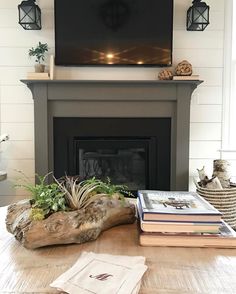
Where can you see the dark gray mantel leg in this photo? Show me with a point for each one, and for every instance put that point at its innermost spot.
(182, 136)
(41, 128)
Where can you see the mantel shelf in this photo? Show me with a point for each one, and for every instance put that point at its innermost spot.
(137, 82)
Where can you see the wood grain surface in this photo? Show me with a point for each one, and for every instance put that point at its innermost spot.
(170, 270)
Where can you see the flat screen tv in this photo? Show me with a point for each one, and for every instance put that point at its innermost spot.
(113, 32)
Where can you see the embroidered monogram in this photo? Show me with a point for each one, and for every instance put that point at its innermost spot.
(101, 277)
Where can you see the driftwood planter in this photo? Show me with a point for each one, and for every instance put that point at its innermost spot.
(77, 226)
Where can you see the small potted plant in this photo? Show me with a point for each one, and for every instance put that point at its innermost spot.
(39, 53)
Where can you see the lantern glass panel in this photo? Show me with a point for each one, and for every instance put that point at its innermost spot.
(200, 15)
(27, 14)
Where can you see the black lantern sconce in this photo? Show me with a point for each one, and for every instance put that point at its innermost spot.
(198, 16)
(29, 15)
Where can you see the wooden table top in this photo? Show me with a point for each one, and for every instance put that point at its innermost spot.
(170, 270)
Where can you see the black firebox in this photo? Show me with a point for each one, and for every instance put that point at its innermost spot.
(129, 151)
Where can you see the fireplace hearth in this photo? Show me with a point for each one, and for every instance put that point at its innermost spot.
(115, 100)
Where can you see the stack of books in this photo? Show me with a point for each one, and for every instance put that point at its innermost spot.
(186, 78)
(38, 76)
(181, 219)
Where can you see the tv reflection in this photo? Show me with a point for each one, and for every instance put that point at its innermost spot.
(114, 14)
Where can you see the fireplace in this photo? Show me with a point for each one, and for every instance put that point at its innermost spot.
(129, 151)
(156, 165)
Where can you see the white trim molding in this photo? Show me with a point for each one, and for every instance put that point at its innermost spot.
(227, 145)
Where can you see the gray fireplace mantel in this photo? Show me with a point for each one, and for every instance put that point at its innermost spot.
(114, 98)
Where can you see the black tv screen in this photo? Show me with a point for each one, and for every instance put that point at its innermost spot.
(113, 32)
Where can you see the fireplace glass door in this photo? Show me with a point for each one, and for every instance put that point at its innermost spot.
(122, 160)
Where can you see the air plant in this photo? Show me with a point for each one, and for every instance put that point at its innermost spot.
(79, 194)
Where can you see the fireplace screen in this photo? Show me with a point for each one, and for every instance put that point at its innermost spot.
(121, 160)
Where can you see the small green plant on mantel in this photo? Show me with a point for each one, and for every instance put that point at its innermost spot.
(39, 53)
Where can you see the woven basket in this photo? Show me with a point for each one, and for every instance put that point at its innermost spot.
(223, 200)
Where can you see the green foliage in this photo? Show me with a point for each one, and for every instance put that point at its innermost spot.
(106, 187)
(68, 193)
(50, 199)
(47, 197)
(39, 51)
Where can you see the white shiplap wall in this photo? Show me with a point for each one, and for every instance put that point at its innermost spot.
(203, 49)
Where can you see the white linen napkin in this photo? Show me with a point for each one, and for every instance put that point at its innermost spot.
(103, 274)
